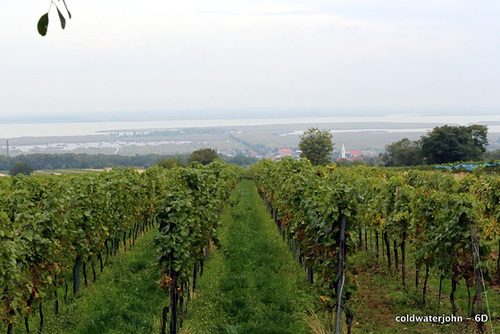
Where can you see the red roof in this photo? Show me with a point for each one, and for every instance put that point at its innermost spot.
(285, 151)
(355, 153)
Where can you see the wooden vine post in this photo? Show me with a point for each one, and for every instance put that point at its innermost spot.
(340, 273)
(478, 298)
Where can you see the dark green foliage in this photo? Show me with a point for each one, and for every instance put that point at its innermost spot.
(5, 162)
(82, 160)
(171, 163)
(493, 155)
(67, 10)
(240, 160)
(204, 156)
(43, 22)
(455, 143)
(317, 146)
(61, 18)
(99, 161)
(21, 168)
(444, 144)
(403, 153)
(369, 162)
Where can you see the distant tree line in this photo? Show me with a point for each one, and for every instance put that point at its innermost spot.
(78, 161)
(99, 161)
(368, 162)
(240, 160)
(492, 155)
(444, 144)
(205, 156)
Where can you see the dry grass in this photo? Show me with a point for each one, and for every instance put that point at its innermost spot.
(317, 324)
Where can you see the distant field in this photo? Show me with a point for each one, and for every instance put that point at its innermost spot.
(66, 171)
(62, 171)
(58, 171)
(230, 139)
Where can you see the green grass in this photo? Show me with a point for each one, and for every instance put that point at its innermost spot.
(251, 283)
(381, 298)
(125, 299)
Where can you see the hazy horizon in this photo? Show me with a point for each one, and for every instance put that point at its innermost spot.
(143, 116)
(195, 57)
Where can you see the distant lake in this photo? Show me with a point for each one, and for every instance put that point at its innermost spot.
(13, 130)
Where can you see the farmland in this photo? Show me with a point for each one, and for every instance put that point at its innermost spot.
(120, 251)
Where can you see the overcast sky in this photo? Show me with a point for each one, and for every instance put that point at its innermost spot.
(241, 55)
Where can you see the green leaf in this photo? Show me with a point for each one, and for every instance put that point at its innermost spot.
(61, 18)
(69, 14)
(184, 232)
(43, 23)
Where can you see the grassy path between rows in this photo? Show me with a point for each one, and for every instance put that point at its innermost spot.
(251, 284)
(125, 299)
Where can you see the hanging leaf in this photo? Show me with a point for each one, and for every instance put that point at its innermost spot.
(61, 18)
(43, 23)
(69, 14)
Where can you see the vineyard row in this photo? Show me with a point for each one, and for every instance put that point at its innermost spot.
(52, 226)
(328, 213)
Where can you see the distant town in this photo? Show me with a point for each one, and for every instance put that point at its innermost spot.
(355, 141)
